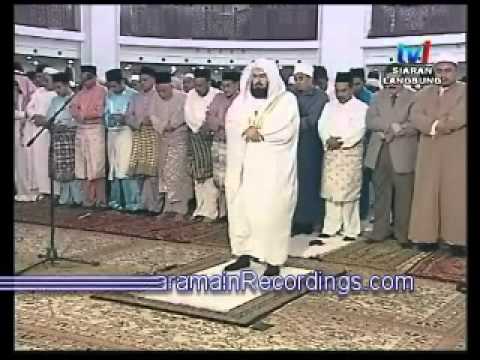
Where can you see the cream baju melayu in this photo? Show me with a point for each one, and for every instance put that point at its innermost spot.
(342, 168)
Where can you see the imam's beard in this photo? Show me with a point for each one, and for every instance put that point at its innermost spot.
(259, 93)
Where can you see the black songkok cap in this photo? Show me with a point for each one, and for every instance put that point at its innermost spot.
(61, 77)
(202, 73)
(231, 75)
(163, 77)
(147, 71)
(89, 69)
(114, 75)
(319, 72)
(358, 73)
(373, 75)
(40, 67)
(343, 77)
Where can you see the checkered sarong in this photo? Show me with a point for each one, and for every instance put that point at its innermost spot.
(201, 147)
(219, 157)
(62, 156)
(145, 152)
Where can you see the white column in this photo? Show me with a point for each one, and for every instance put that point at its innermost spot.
(319, 34)
(342, 33)
(101, 25)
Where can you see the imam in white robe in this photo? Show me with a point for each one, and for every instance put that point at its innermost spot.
(261, 178)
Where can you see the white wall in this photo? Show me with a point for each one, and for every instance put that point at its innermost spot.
(50, 43)
(343, 29)
(342, 43)
(101, 25)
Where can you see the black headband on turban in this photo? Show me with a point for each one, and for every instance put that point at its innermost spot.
(89, 69)
(231, 75)
(146, 70)
(61, 77)
(114, 75)
(358, 73)
(163, 77)
(343, 77)
(202, 73)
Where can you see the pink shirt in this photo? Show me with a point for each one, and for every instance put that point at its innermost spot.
(89, 103)
(215, 117)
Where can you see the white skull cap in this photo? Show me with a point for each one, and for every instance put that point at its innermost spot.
(304, 69)
(444, 57)
(50, 71)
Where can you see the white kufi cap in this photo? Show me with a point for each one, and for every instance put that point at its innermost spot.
(304, 69)
(444, 57)
(50, 71)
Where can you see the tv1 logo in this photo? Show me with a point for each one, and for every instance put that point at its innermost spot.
(414, 54)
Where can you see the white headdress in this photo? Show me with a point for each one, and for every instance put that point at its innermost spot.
(50, 71)
(275, 82)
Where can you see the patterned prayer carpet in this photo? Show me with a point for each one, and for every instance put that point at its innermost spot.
(389, 256)
(440, 266)
(386, 256)
(430, 318)
(113, 222)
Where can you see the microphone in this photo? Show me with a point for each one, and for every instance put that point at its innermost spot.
(51, 120)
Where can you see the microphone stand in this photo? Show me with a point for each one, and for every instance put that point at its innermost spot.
(52, 254)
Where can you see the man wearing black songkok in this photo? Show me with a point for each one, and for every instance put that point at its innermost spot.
(196, 105)
(215, 124)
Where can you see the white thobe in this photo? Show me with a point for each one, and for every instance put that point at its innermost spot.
(342, 173)
(261, 179)
(24, 181)
(39, 105)
(206, 193)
